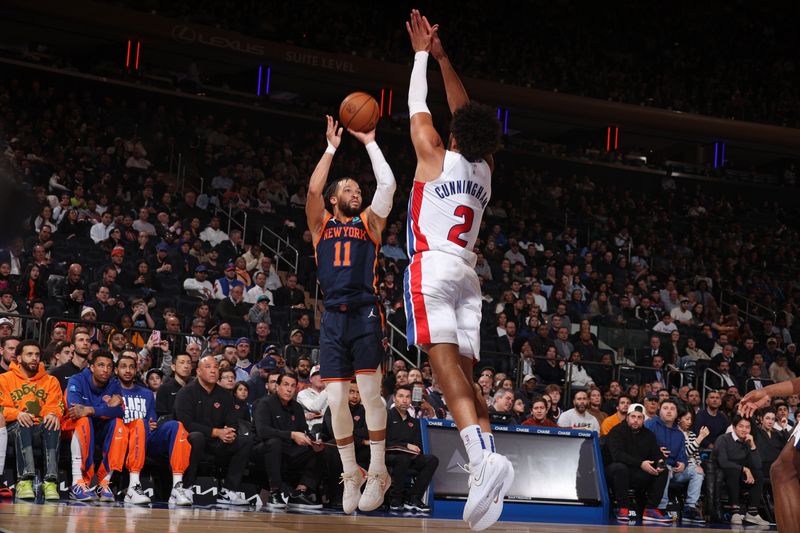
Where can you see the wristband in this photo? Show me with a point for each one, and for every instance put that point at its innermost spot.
(331, 149)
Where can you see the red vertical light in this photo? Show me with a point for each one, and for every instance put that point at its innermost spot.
(616, 138)
(128, 55)
(608, 139)
(382, 94)
(390, 102)
(138, 45)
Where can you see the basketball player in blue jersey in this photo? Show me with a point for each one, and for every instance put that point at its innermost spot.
(346, 239)
(147, 438)
(452, 187)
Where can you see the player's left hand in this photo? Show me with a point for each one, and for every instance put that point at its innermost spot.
(333, 133)
(51, 422)
(365, 138)
(752, 402)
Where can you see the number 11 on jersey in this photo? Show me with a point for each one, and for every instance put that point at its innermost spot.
(337, 260)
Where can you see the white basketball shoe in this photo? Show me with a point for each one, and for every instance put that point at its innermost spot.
(489, 482)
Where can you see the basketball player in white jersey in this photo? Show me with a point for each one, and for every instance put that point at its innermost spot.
(452, 186)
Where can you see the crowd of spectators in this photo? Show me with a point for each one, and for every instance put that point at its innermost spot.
(115, 253)
(642, 54)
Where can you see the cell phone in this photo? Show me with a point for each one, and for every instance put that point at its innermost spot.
(416, 395)
(156, 336)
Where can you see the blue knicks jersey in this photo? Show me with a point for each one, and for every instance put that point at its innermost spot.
(139, 403)
(347, 258)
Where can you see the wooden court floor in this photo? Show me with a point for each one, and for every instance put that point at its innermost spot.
(99, 518)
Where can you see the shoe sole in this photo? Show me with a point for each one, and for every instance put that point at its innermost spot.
(88, 499)
(657, 520)
(305, 507)
(129, 502)
(276, 506)
(179, 504)
(494, 503)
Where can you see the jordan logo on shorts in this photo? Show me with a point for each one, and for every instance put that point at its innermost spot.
(371, 313)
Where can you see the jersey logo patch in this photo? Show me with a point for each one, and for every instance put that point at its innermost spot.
(371, 313)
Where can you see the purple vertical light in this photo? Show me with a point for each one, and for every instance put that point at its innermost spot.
(269, 73)
(505, 123)
(498, 113)
(716, 154)
(722, 159)
(258, 90)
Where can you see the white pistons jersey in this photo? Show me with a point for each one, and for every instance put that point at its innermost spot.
(445, 214)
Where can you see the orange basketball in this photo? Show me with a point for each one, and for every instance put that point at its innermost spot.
(359, 112)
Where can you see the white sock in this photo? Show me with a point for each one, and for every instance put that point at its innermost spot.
(107, 478)
(77, 460)
(3, 445)
(176, 478)
(134, 480)
(488, 443)
(377, 456)
(473, 442)
(348, 454)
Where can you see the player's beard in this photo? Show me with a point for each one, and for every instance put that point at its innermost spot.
(347, 210)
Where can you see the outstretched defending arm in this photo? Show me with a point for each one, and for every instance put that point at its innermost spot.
(315, 203)
(427, 142)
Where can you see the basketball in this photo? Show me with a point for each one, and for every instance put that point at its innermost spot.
(359, 112)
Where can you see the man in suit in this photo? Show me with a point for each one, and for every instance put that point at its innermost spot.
(756, 382)
(506, 363)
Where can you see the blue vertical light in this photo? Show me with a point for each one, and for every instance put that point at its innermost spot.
(498, 113)
(258, 90)
(269, 73)
(505, 123)
(722, 159)
(716, 154)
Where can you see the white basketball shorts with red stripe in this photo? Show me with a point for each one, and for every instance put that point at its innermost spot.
(443, 302)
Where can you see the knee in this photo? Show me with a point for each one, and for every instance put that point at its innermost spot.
(197, 440)
(433, 461)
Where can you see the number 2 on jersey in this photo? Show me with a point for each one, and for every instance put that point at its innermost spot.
(337, 260)
(468, 214)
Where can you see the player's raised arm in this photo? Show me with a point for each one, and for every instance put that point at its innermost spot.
(378, 212)
(427, 142)
(315, 203)
(456, 94)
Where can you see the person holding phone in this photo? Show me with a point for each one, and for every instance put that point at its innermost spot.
(636, 460)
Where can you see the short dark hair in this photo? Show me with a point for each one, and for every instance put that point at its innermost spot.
(287, 375)
(9, 338)
(739, 418)
(621, 396)
(330, 190)
(23, 345)
(97, 354)
(476, 130)
(407, 388)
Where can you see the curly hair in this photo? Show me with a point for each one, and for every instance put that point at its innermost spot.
(476, 131)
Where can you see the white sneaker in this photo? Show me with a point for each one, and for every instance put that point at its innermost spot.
(488, 484)
(136, 495)
(181, 496)
(229, 497)
(737, 518)
(352, 482)
(756, 519)
(374, 491)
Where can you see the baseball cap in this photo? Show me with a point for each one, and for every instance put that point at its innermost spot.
(772, 340)
(6, 322)
(200, 268)
(242, 340)
(117, 250)
(314, 370)
(162, 247)
(268, 363)
(262, 298)
(529, 377)
(270, 349)
(153, 371)
(230, 266)
(87, 310)
(636, 407)
(651, 396)
(295, 332)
